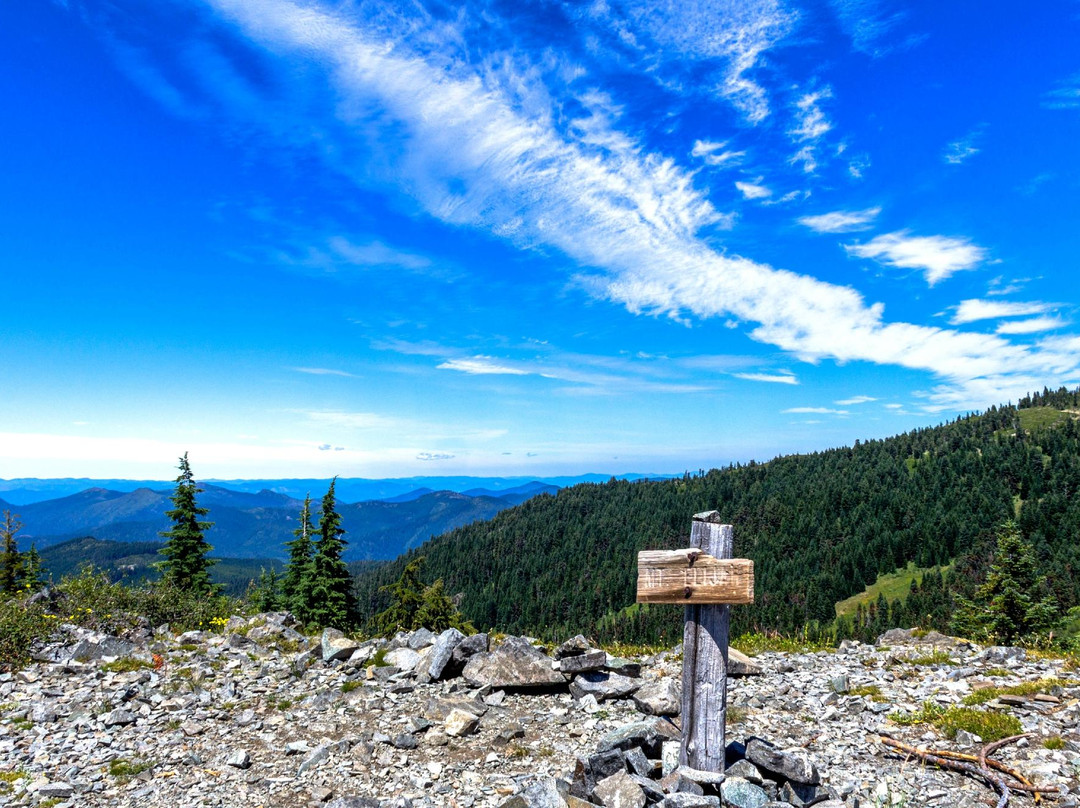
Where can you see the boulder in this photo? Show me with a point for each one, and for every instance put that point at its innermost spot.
(542, 793)
(514, 664)
(460, 723)
(335, 645)
(468, 648)
(740, 793)
(404, 659)
(790, 764)
(658, 698)
(442, 653)
(591, 661)
(603, 685)
(619, 791)
(575, 646)
(421, 638)
(739, 664)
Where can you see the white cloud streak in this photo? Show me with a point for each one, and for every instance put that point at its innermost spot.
(481, 366)
(939, 257)
(973, 310)
(841, 221)
(323, 372)
(848, 402)
(472, 154)
(772, 378)
(753, 190)
(717, 154)
(1032, 326)
(814, 411)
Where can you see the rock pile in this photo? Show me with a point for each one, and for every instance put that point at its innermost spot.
(260, 715)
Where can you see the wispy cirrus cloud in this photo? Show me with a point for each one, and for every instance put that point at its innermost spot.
(814, 411)
(753, 190)
(483, 154)
(959, 151)
(849, 402)
(975, 309)
(771, 378)
(939, 257)
(841, 221)
(482, 366)
(869, 24)
(1065, 96)
(323, 372)
(717, 154)
(1033, 325)
(811, 127)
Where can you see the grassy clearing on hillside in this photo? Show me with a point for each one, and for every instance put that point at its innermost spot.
(1041, 417)
(894, 585)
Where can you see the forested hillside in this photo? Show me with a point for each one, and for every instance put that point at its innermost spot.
(818, 526)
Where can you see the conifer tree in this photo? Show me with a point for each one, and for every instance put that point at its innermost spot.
(413, 605)
(1008, 606)
(12, 562)
(332, 600)
(186, 564)
(265, 595)
(33, 570)
(296, 587)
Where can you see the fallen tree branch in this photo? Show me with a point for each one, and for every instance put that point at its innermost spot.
(977, 766)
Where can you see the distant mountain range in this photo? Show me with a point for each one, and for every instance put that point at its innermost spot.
(25, 491)
(257, 525)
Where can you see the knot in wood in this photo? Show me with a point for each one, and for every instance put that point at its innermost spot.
(691, 558)
(687, 592)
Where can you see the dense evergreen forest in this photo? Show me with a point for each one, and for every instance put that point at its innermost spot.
(819, 527)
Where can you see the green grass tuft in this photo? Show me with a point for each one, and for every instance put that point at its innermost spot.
(987, 725)
(758, 643)
(985, 694)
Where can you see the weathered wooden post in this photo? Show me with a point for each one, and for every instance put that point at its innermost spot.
(707, 580)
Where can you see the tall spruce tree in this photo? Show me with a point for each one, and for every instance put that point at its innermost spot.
(186, 564)
(332, 600)
(1014, 601)
(12, 562)
(296, 585)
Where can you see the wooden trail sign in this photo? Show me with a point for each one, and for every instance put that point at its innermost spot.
(707, 579)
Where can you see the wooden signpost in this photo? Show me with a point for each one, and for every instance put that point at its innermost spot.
(706, 579)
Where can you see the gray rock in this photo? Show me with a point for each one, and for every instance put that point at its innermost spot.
(460, 723)
(335, 645)
(791, 764)
(603, 685)
(239, 759)
(658, 698)
(468, 648)
(542, 793)
(515, 663)
(97, 646)
(404, 659)
(741, 793)
(314, 759)
(406, 740)
(353, 802)
(442, 654)
(591, 770)
(637, 762)
(1002, 654)
(591, 661)
(421, 638)
(802, 796)
(839, 683)
(684, 800)
(58, 790)
(619, 791)
(646, 734)
(739, 664)
(118, 718)
(744, 769)
(575, 646)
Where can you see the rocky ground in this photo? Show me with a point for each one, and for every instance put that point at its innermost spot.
(258, 715)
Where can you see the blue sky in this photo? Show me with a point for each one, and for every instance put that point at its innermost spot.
(373, 239)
